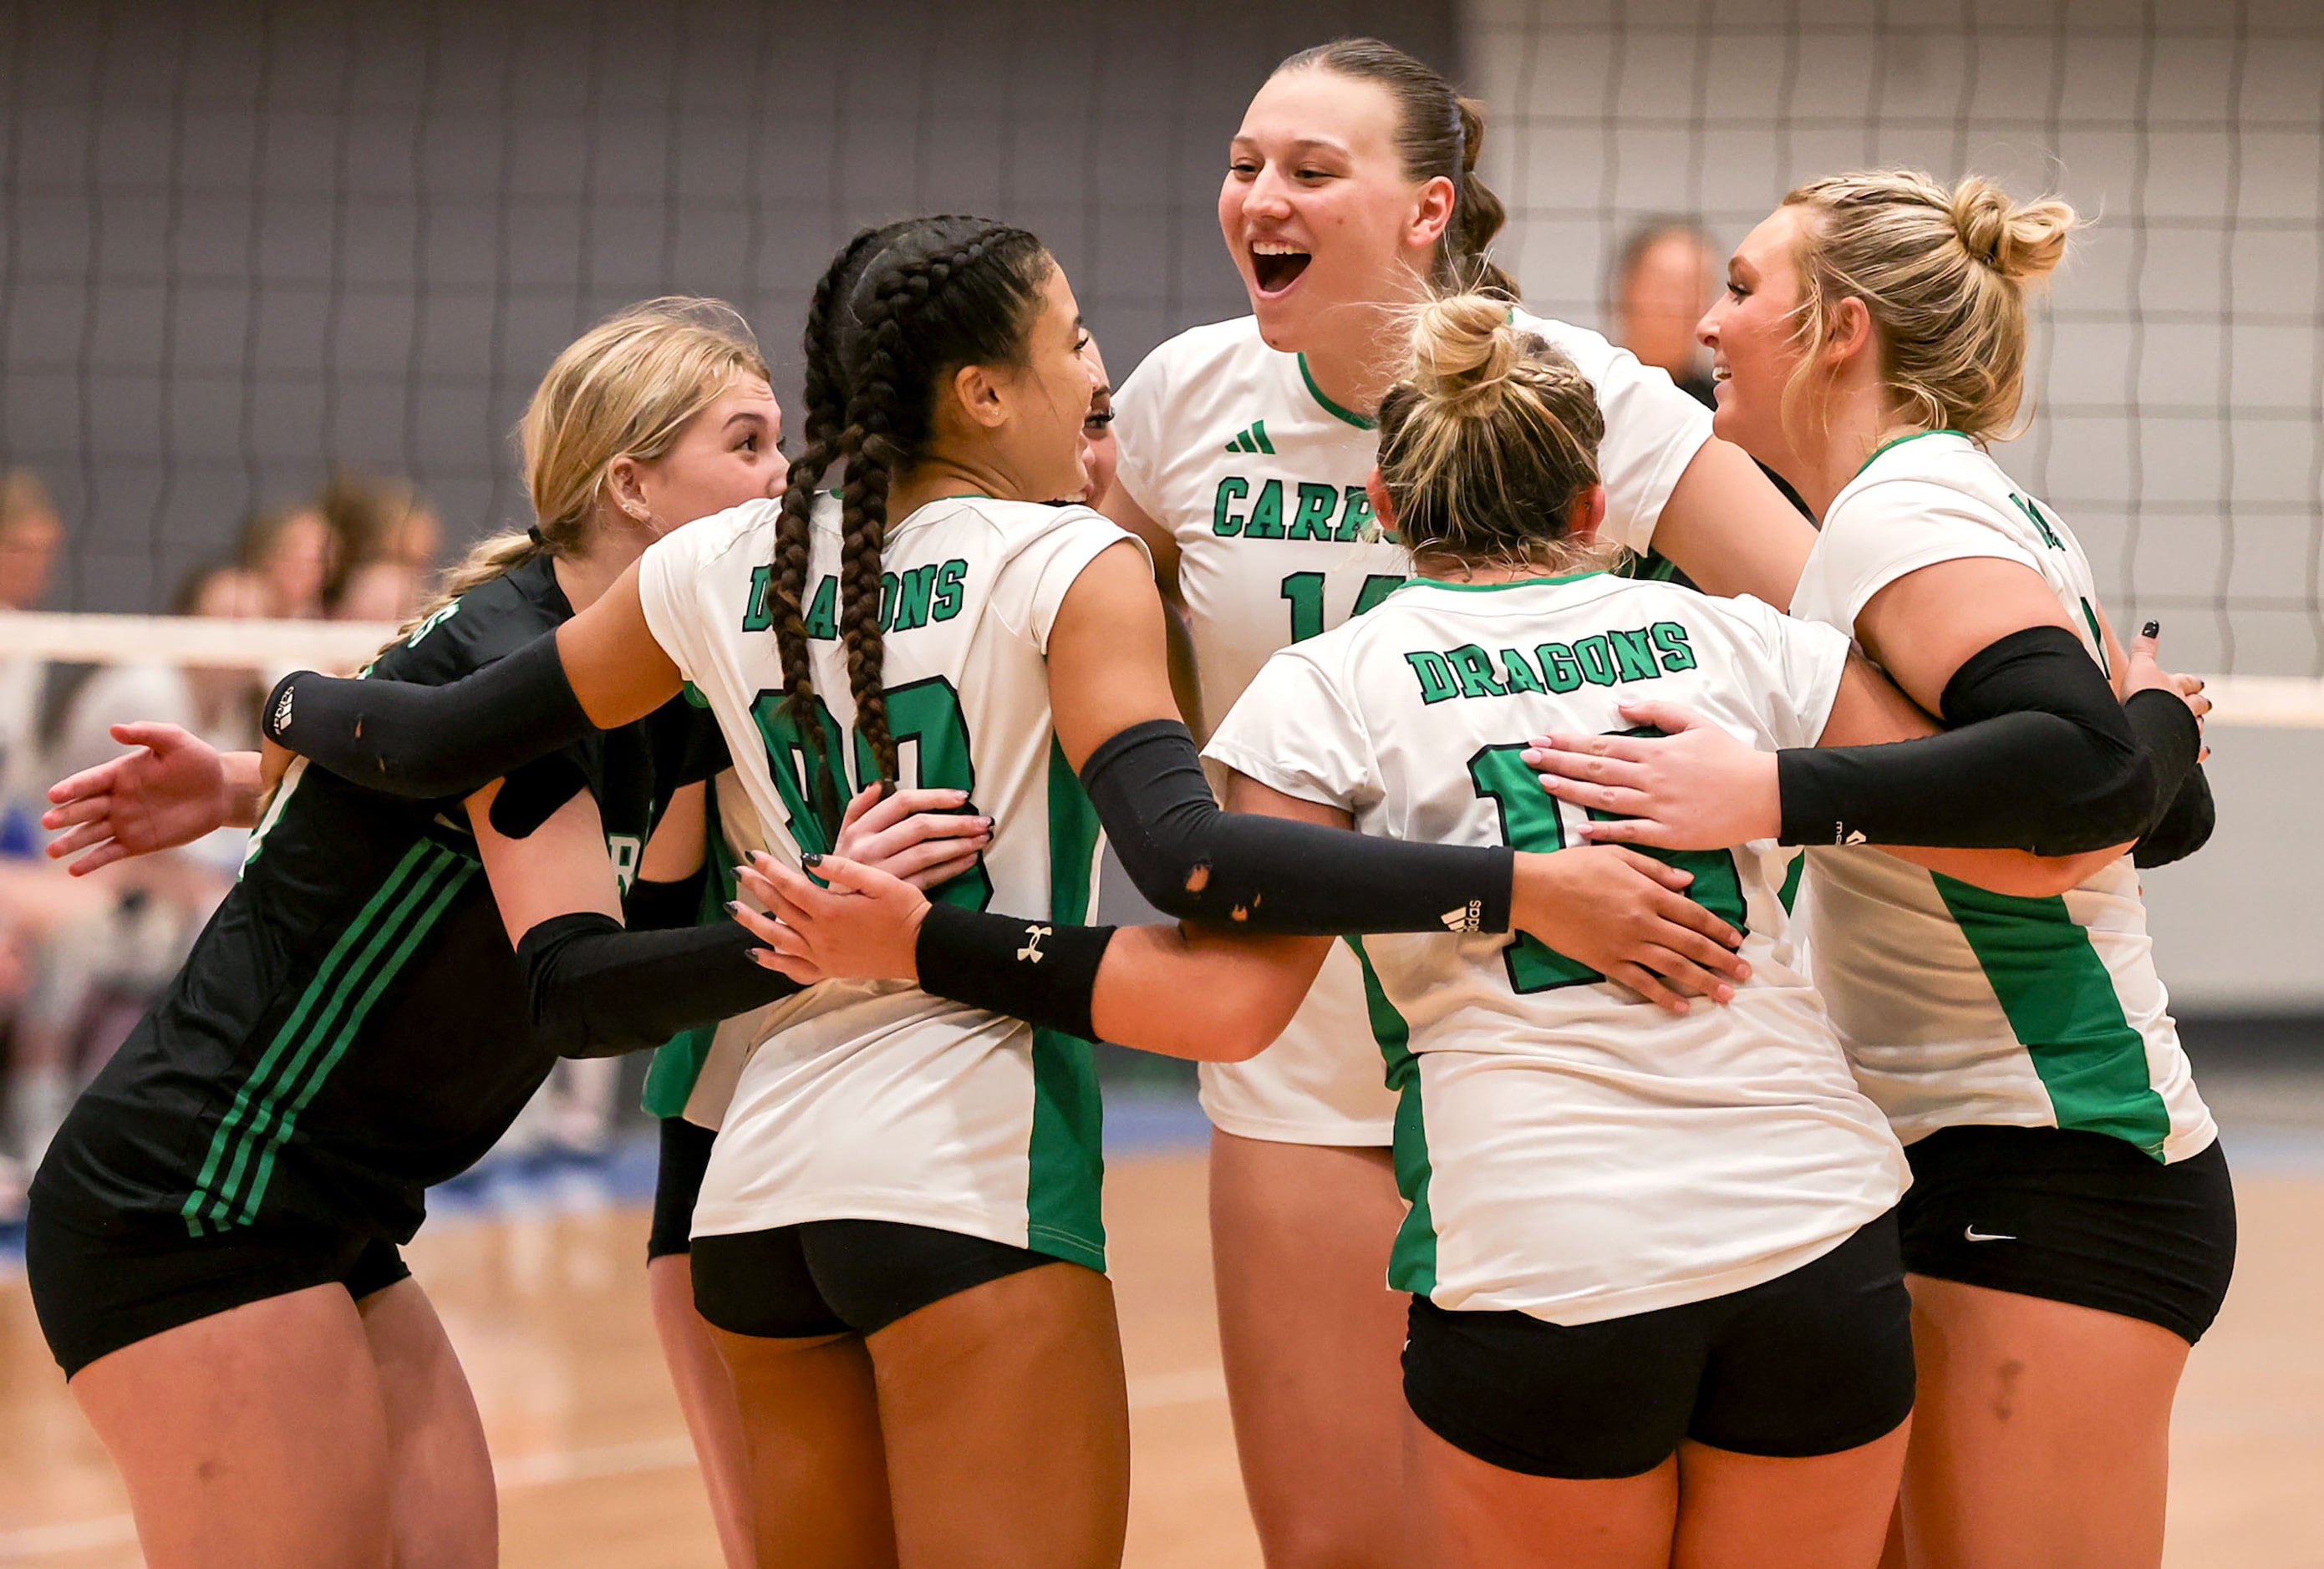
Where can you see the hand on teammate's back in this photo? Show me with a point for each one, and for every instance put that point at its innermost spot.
(926, 837)
(865, 926)
(1695, 785)
(170, 790)
(1627, 916)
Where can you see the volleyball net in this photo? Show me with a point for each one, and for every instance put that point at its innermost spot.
(2177, 361)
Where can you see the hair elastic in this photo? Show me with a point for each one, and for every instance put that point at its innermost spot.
(533, 532)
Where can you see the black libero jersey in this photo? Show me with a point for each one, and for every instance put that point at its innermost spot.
(351, 1027)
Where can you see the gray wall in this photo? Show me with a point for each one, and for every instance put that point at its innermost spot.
(243, 242)
(2179, 364)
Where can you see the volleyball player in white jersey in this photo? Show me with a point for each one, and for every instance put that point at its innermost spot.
(1659, 1314)
(1351, 188)
(2070, 1228)
(898, 1236)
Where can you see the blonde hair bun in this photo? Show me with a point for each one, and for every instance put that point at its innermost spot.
(1462, 345)
(2022, 243)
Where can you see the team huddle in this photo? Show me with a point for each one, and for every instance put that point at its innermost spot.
(1689, 1078)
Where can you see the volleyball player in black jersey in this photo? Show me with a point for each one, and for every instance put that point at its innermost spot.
(212, 1242)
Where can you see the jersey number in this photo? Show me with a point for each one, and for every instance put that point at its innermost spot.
(929, 727)
(1305, 589)
(1532, 820)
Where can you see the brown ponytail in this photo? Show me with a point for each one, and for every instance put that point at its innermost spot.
(1439, 134)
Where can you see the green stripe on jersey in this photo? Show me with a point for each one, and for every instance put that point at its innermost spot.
(1412, 1261)
(263, 1073)
(2059, 1000)
(387, 915)
(457, 874)
(1066, 1158)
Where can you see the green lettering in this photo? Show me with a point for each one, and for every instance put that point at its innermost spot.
(757, 616)
(1635, 654)
(913, 591)
(1476, 672)
(1670, 639)
(1516, 671)
(887, 599)
(1596, 659)
(1226, 525)
(822, 614)
(1265, 513)
(1558, 666)
(1355, 515)
(1436, 676)
(1313, 520)
(951, 580)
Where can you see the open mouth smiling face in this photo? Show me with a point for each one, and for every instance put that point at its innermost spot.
(1276, 265)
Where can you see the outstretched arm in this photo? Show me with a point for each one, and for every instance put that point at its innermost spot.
(170, 789)
(1699, 787)
(600, 670)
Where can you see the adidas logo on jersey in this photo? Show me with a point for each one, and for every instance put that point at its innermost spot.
(282, 713)
(1031, 952)
(1252, 440)
(1469, 917)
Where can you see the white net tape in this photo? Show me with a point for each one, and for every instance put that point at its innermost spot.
(253, 645)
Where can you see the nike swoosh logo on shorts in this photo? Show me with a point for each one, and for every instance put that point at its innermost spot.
(1971, 1233)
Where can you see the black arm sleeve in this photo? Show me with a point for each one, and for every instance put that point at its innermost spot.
(665, 906)
(2042, 758)
(427, 742)
(596, 990)
(2184, 827)
(1042, 973)
(1194, 861)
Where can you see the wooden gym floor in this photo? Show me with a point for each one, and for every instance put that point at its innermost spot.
(549, 1316)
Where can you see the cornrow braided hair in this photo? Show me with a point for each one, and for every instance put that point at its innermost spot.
(824, 418)
(945, 293)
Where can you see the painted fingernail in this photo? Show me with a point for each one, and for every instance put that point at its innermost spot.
(811, 859)
(734, 906)
(2152, 630)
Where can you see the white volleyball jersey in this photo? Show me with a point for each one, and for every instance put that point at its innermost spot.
(1959, 1005)
(873, 1100)
(1569, 1149)
(1259, 478)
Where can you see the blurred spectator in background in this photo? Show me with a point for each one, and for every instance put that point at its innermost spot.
(290, 551)
(92, 951)
(387, 538)
(30, 536)
(1669, 270)
(379, 590)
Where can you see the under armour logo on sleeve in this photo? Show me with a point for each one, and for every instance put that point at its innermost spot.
(1031, 952)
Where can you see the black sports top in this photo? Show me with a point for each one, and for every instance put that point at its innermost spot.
(351, 1026)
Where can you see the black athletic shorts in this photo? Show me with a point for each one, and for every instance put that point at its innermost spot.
(98, 1287)
(678, 1183)
(1811, 1362)
(2074, 1216)
(837, 1277)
